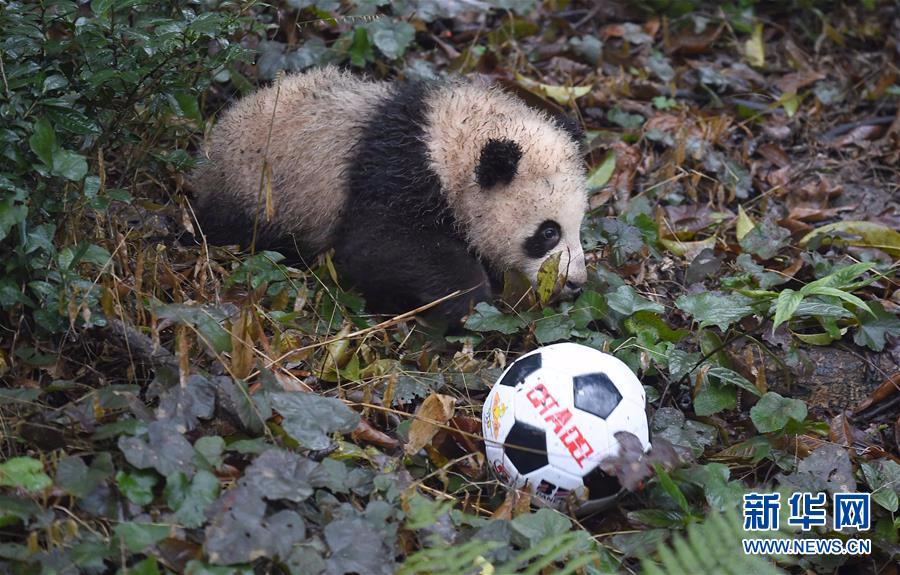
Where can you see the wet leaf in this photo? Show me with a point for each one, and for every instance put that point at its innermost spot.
(772, 412)
(553, 327)
(435, 411)
(670, 487)
(206, 318)
(787, 303)
(731, 377)
(765, 279)
(280, 474)
(357, 548)
(690, 437)
(827, 468)
(184, 406)
(715, 308)
(488, 318)
(240, 531)
(713, 397)
(532, 528)
(164, 449)
(74, 475)
(43, 141)
(69, 165)
(875, 327)
(883, 478)
(310, 418)
(627, 301)
(720, 493)
(766, 239)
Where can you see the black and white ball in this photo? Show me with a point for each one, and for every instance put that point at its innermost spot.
(552, 417)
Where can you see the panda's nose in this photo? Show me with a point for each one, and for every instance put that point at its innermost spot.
(573, 287)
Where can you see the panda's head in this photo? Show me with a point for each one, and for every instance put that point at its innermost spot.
(514, 178)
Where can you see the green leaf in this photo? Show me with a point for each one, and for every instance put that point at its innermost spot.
(715, 308)
(11, 214)
(488, 318)
(206, 318)
(875, 326)
(147, 566)
(600, 175)
(24, 472)
(309, 418)
(713, 478)
(590, 306)
(548, 277)
(725, 375)
(137, 485)
(69, 165)
(652, 326)
(843, 278)
(43, 141)
(618, 116)
(834, 292)
(657, 517)
(73, 475)
(553, 327)
(883, 478)
(691, 436)
(859, 233)
(671, 488)
(714, 397)
(627, 301)
(190, 498)
(772, 412)
(537, 526)
(765, 239)
(787, 303)
(139, 536)
(391, 36)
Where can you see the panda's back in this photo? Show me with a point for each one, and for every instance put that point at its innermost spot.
(306, 126)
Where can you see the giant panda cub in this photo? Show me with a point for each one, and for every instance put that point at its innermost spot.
(421, 188)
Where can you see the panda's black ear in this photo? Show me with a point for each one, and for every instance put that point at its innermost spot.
(498, 163)
(572, 127)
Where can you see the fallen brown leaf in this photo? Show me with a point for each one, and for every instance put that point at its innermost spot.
(515, 503)
(434, 412)
(796, 80)
(365, 431)
(889, 387)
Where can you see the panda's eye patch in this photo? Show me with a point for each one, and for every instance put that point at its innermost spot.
(543, 240)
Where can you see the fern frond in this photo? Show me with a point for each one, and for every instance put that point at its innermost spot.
(712, 546)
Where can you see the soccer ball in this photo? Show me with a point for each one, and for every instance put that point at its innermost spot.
(552, 417)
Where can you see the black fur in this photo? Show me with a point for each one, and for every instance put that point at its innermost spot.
(498, 163)
(571, 127)
(538, 244)
(397, 239)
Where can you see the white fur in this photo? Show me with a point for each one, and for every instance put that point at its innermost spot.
(549, 185)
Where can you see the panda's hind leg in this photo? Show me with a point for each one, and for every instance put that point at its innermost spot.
(405, 269)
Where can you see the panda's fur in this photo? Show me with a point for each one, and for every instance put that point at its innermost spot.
(421, 188)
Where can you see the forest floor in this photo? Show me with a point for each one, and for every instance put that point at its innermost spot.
(169, 406)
